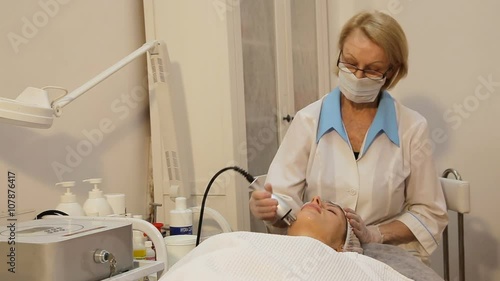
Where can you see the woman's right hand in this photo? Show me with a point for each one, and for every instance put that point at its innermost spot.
(262, 205)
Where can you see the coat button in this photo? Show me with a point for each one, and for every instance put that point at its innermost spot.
(352, 192)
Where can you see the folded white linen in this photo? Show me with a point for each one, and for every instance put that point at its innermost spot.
(257, 256)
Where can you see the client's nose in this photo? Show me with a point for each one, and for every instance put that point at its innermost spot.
(317, 200)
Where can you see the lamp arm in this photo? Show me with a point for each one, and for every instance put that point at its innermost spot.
(58, 104)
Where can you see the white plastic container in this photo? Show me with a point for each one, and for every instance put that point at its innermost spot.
(178, 246)
(181, 218)
(68, 202)
(117, 203)
(150, 253)
(138, 245)
(96, 205)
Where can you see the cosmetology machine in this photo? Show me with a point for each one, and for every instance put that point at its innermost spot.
(65, 249)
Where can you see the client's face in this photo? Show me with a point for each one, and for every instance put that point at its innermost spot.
(322, 220)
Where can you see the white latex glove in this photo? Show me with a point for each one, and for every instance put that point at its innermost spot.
(365, 234)
(262, 205)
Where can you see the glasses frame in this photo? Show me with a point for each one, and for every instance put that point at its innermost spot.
(384, 74)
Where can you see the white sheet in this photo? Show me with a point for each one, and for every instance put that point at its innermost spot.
(257, 256)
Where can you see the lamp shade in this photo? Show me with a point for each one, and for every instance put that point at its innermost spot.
(30, 109)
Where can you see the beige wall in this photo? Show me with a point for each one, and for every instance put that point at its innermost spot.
(65, 43)
(453, 50)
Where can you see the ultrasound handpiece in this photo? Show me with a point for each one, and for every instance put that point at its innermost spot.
(284, 211)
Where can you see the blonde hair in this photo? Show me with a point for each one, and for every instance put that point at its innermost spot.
(386, 32)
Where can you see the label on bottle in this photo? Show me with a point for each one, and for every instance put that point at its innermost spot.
(183, 230)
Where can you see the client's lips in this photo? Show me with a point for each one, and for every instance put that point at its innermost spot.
(314, 206)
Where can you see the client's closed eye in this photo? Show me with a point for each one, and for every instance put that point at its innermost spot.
(334, 208)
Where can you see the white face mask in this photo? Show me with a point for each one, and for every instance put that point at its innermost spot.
(359, 90)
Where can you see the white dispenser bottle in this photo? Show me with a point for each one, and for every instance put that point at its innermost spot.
(68, 202)
(96, 205)
(181, 218)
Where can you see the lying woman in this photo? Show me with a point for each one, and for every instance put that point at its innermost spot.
(313, 250)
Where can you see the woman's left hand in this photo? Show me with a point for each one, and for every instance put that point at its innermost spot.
(365, 234)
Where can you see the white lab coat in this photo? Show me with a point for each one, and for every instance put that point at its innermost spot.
(394, 177)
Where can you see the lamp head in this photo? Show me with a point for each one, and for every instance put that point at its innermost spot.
(30, 109)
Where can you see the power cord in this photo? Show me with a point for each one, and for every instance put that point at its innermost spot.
(50, 213)
(244, 173)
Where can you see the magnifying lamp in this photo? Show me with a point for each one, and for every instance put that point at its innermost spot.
(33, 108)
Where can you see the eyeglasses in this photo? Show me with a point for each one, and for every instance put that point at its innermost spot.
(369, 73)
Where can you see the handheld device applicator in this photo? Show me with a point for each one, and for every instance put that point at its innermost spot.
(284, 211)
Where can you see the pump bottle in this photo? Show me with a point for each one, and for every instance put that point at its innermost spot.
(96, 204)
(68, 202)
(181, 218)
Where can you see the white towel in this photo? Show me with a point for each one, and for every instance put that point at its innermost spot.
(256, 256)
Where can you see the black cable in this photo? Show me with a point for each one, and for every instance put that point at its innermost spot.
(244, 173)
(50, 213)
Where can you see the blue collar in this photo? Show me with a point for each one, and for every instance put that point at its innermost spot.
(385, 120)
